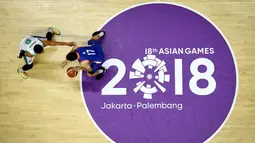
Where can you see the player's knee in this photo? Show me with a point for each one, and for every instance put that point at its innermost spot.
(49, 36)
(27, 67)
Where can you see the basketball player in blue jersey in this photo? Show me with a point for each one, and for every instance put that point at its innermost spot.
(90, 57)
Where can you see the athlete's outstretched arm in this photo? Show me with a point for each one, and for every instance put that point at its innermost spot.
(77, 47)
(74, 48)
(63, 64)
(55, 43)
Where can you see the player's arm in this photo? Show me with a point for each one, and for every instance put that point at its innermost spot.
(77, 47)
(74, 48)
(77, 68)
(63, 64)
(21, 54)
(55, 43)
(83, 66)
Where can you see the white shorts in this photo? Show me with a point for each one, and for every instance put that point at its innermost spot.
(28, 60)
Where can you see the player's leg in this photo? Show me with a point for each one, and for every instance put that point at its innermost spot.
(52, 31)
(86, 65)
(98, 34)
(28, 66)
(98, 74)
(96, 37)
(96, 66)
(94, 69)
(97, 70)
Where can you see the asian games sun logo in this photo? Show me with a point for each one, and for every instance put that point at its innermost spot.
(156, 66)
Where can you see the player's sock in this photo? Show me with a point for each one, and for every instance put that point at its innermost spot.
(22, 73)
(21, 70)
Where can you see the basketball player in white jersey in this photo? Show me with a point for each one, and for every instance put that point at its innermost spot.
(32, 45)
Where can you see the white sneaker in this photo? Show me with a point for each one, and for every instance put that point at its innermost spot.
(54, 30)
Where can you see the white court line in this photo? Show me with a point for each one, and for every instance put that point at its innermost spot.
(171, 3)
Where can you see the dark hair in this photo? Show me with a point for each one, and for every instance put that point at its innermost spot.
(71, 56)
(38, 49)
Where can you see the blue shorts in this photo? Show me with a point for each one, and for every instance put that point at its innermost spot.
(95, 66)
(94, 42)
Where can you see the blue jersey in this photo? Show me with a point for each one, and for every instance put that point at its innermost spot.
(93, 53)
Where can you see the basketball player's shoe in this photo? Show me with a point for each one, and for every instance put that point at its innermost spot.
(22, 74)
(102, 71)
(54, 30)
(100, 33)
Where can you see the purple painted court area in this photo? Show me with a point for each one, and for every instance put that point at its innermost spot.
(162, 26)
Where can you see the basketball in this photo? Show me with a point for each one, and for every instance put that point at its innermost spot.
(71, 72)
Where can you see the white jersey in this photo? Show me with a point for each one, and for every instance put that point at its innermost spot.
(28, 44)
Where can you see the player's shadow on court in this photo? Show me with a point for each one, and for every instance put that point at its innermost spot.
(74, 83)
(48, 71)
(45, 68)
(48, 52)
(92, 85)
(88, 86)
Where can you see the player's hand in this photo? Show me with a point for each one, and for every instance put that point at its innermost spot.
(71, 44)
(63, 64)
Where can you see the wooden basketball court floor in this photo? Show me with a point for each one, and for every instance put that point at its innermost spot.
(48, 108)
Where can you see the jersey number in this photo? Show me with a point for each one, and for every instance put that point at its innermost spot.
(90, 52)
